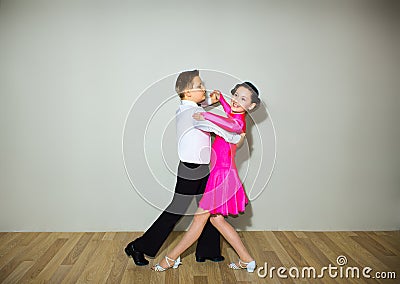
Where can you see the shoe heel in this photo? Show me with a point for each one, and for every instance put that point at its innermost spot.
(177, 263)
(251, 266)
(127, 252)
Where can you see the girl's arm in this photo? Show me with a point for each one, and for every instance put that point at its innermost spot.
(224, 104)
(226, 123)
(208, 126)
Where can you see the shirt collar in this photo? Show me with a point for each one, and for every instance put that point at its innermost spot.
(187, 102)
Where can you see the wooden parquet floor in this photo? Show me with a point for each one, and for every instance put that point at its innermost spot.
(99, 258)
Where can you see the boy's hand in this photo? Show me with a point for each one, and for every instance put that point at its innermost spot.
(198, 116)
(215, 96)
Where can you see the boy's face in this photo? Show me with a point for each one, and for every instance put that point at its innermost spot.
(197, 93)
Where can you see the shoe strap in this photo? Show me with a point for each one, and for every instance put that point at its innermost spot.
(242, 262)
(159, 268)
(168, 258)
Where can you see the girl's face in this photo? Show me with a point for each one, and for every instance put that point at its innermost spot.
(241, 100)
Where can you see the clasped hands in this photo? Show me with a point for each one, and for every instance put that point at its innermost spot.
(214, 99)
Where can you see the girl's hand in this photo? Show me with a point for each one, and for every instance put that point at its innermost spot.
(198, 116)
(241, 141)
(215, 96)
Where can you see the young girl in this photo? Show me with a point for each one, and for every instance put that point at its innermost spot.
(224, 194)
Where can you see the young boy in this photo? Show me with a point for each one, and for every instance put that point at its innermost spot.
(194, 153)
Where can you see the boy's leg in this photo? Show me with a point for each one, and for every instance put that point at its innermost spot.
(189, 237)
(208, 244)
(154, 237)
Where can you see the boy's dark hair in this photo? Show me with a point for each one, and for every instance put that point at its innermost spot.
(249, 86)
(184, 81)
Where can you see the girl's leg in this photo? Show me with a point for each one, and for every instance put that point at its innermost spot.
(194, 232)
(230, 234)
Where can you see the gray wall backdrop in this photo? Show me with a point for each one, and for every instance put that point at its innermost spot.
(328, 71)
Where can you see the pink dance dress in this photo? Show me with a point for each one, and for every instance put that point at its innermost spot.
(224, 193)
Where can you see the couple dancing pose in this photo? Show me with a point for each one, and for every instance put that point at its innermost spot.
(220, 188)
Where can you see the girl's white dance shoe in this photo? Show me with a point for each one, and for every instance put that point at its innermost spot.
(176, 262)
(250, 266)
